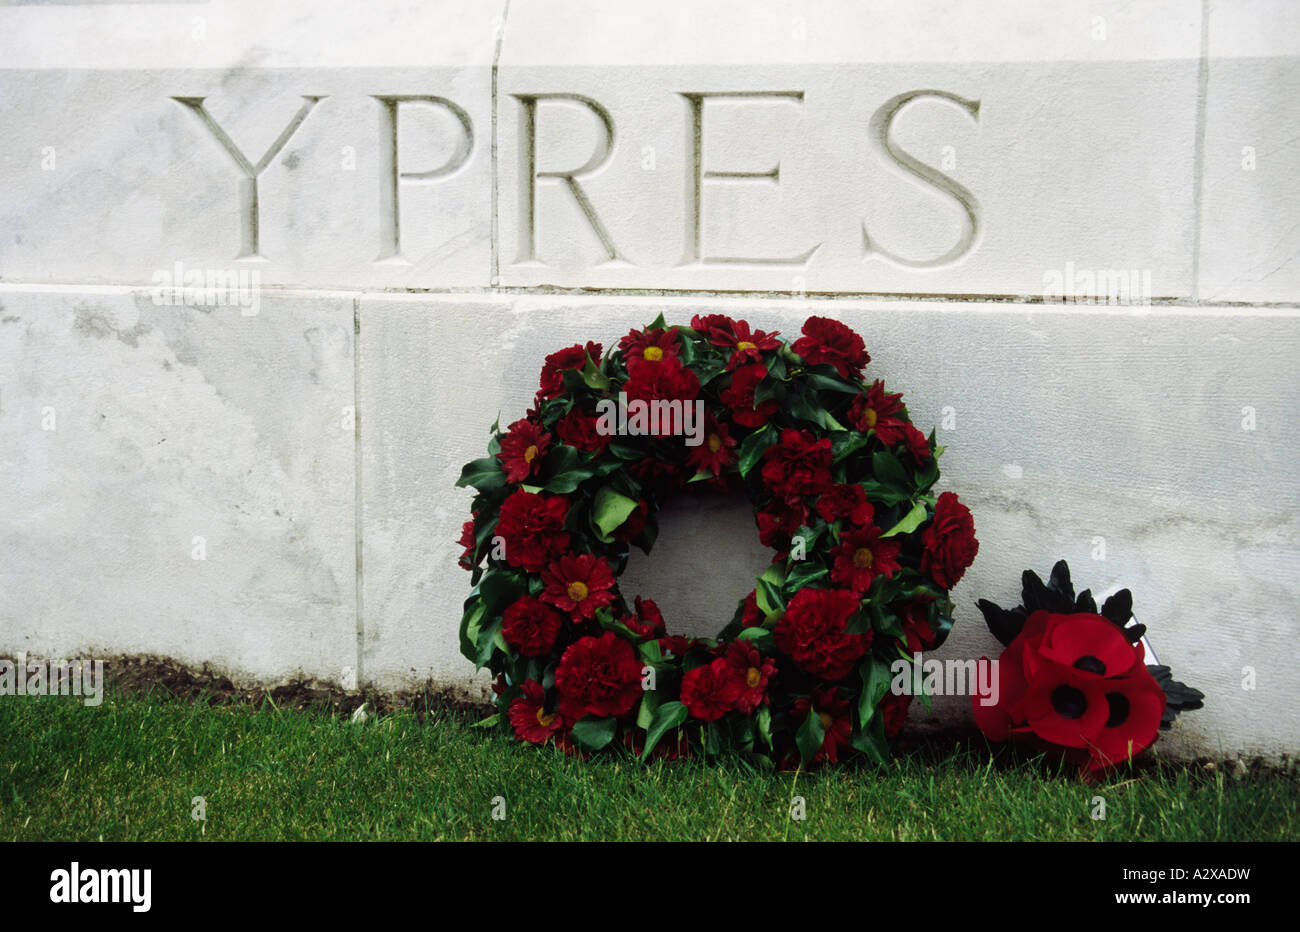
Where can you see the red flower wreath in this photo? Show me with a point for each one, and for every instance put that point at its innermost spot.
(841, 483)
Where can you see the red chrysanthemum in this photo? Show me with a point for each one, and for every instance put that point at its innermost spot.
(528, 715)
(739, 397)
(650, 345)
(878, 411)
(522, 449)
(833, 710)
(530, 626)
(862, 556)
(598, 676)
(828, 341)
(813, 632)
(949, 542)
(532, 528)
(716, 453)
(751, 672)
(578, 584)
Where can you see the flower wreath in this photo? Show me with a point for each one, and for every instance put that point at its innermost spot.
(840, 480)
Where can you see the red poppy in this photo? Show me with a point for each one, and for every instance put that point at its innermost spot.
(716, 453)
(751, 672)
(708, 692)
(531, 626)
(598, 676)
(812, 632)
(578, 584)
(739, 397)
(862, 556)
(828, 341)
(833, 710)
(846, 501)
(949, 542)
(528, 715)
(532, 528)
(522, 450)
(878, 411)
(798, 464)
(557, 363)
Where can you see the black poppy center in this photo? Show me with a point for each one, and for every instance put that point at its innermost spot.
(1069, 702)
(1119, 709)
(1090, 664)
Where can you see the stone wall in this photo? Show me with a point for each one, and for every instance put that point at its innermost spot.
(1067, 231)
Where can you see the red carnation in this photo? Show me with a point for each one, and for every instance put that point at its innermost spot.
(812, 632)
(798, 464)
(829, 341)
(598, 676)
(528, 715)
(579, 430)
(914, 614)
(578, 584)
(572, 357)
(739, 397)
(648, 621)
(950, 544)
(833, 710)
(532, 526)
(846, 501)
(531, 626)
(635, 523)
(708, 692)
(751, 672)
(750, 614)
(522, 449)
(893, 712)
(466, 559)
(665, 381)
(917, 443)
(777, 523)
(861, 557)
(878, 411)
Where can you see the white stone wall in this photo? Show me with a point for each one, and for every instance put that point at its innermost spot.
(435, 195)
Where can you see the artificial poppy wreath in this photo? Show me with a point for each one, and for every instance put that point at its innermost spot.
(1073, 680)
(841, 483)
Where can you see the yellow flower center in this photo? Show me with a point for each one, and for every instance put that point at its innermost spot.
(753, 677)
(862, 558)
(531, 453)
(826, 720)
(870, 417)
(745, 345)
(577, 591)
(652, 354)
(544, 717)
(715, 443)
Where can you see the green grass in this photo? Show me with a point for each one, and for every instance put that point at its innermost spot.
(128, 769)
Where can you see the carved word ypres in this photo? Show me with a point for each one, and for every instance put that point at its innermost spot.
(880, 135)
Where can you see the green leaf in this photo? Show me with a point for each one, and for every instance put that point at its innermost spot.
(875, 683)
(831, 383)
(911, 521)
(763, 719)
(753, 447)
(645, 713)
(594, 733)
(870, 740)
(666, 717)
(610, 510)
(845, 443)
(810, 735)
(484, 474)
(807, 408)
(887, 469)
(758, 636)
(593, 377)
(488, 722)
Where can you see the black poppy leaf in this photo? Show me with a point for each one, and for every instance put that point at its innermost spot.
(1033, 594)
(1134, 633)
(1086, 603)
(1003, 624)
(1059, 581)
(1119, 607)
(1179, 697)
